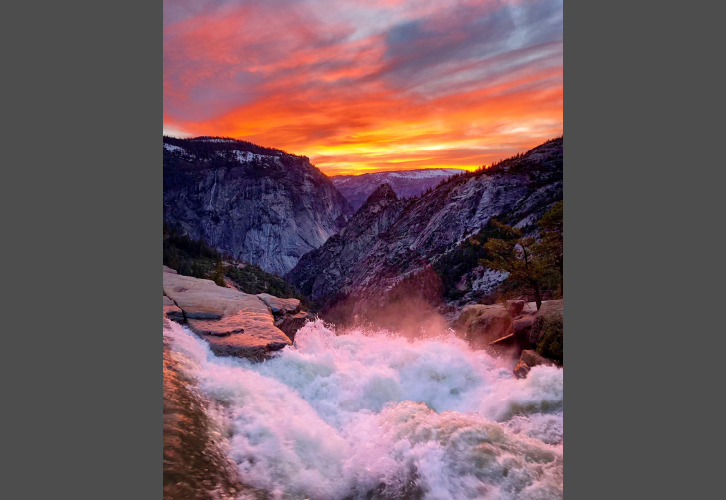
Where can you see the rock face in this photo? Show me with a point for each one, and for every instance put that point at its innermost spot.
(261, 205)
(288, 316)
(407, 237)
(171, 310)
(234, 323)
(327, 271)
(517, 341)
(483, 324)
(528, 360)
(550, 311)
(406, 183)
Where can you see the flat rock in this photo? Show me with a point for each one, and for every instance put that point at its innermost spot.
(280, 306)
(551, 308)
(169, 270)
(234, 323)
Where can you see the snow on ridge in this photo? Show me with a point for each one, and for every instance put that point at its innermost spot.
(245, 156)
(416, 174)
(171, 147)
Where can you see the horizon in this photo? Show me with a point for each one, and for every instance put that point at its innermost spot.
(366, 87)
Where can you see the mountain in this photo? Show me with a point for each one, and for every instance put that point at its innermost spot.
(406, 183)
(261, 205)
(389, 244)
(323, 272)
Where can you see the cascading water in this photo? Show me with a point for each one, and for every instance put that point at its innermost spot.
(372, 415)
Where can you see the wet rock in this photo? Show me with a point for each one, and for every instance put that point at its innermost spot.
(527, 361)
(171, 310)
(291, 323)
(234, 323)
(521, 370)
(533, 359)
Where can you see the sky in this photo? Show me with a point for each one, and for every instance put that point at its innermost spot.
(367, 85)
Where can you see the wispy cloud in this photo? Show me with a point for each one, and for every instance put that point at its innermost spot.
(367, 85)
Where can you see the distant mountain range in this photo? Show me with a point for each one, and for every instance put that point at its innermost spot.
(405, 183)
(278, 211)
(258, 204)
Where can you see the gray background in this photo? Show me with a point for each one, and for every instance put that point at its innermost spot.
(82, 185)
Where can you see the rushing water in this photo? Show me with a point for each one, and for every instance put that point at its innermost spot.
(371, 415)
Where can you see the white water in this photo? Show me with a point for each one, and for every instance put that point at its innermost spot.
(340, 416)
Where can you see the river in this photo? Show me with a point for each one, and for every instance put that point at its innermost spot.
(362, 415)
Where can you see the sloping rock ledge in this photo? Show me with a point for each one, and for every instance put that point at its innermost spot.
(234, 323)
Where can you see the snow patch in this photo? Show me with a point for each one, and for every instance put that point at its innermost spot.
(171, 148)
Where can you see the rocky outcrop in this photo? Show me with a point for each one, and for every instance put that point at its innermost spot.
(260, 205)
(527, 361)
(234, 323)
(518, 340)
(291, 323)
(482, 324)
(288, 316)
(406, 183)
(418, 233)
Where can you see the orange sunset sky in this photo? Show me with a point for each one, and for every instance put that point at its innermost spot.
(366, 86)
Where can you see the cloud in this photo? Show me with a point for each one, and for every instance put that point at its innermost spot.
(362, 85)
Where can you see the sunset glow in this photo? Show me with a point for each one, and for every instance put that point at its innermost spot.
(367, 85)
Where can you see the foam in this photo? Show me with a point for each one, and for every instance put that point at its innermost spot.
(341, 416)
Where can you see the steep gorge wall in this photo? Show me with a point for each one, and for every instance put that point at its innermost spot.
(268, 209)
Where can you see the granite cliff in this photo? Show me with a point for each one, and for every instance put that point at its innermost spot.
(257, 204)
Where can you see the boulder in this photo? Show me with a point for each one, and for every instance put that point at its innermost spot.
(533, 359)
(483, 324)
(515, 307)
(527, 361)
(521, 370)
(234, 323)
(550, 311)
(522, 327)
(518, 340)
